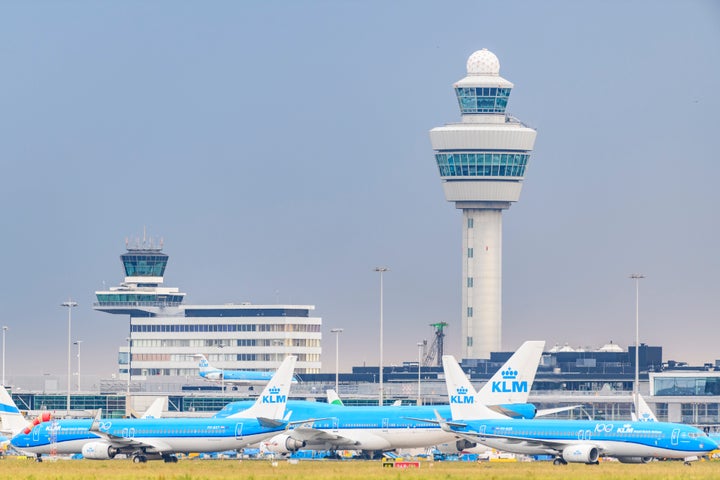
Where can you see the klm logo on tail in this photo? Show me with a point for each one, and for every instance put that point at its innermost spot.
(204, 363)
(274, 396)
(508, 384)
(462, 397)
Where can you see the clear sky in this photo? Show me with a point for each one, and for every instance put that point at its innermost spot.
(281, 151)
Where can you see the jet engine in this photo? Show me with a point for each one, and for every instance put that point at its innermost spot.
(580, 453)
(214, 375)
(634, 459)
(463, 444)
(284, 443)
(98, 451)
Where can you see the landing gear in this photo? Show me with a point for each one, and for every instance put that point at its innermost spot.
(170, 459)
(559, 461)
(687, 463)
(38, 458)
(139, 459)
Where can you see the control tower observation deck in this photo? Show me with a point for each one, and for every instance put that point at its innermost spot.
(141, 292)
(482, 163)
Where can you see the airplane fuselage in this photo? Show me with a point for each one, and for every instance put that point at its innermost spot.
(159, 435)
(612, 438)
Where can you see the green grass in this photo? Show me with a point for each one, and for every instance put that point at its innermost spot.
(11, 468)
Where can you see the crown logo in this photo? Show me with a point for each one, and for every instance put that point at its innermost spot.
(274, 390)
(509, 374)
(462, 390)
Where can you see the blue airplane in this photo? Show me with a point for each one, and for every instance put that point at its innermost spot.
(240, 377)
(578, 441)
(162, 438)
(373, 429)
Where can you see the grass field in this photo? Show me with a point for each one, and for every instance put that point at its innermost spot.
(360, 470)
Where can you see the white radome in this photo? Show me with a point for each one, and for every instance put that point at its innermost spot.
(483, 62)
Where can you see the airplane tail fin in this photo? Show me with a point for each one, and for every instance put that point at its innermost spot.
(155, 409)
(12, 420)
(512, 383)
(273, 399)
(333, 398)
(644, 414)
(464, 402)
(203, 363)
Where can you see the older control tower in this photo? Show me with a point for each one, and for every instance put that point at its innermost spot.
(482, 163)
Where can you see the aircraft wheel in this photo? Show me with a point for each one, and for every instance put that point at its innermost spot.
(139, 459)
(559, 461)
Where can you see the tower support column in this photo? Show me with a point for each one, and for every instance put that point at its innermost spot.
(482, 286)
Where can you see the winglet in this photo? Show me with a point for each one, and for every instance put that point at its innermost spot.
(271, 402)
(95, 426)
(441, 421)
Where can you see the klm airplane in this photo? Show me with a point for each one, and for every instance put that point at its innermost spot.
(244, 377)
(580, 441)
(375, 429)
(161, 438)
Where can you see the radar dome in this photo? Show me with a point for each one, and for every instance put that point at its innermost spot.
(483, 62)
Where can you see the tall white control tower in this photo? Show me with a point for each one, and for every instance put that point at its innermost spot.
(482, 163)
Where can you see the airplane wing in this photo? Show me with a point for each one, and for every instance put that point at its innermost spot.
(121, 442)
(550, 411)
(314, 436)
(551, 446)
(116, 441)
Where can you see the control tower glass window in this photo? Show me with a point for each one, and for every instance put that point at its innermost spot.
(495, 164)
(482, 99)
(144, 264)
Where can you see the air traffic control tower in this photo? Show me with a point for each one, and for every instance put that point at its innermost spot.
(482, 163)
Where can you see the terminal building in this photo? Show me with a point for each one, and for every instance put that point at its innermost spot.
(164, 333)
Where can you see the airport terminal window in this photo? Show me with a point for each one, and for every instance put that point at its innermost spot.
(470, 282)
(470, 223)
(687, 386)
(469, 311)
(482, 164)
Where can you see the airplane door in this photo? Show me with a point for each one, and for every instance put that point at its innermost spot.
(36, 434)
(335, 424)
(674, 437)
(238, 431)
(481, 431)
(385, 422)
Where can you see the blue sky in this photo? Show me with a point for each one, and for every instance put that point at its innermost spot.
(281, 151)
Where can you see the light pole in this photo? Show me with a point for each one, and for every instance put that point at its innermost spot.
(636, 388)
(78, 342)
(381, 270)
(337, 332)
(420, 352)
(5, 329)
(69, 304)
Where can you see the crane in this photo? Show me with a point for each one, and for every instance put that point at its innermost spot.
(435, 352)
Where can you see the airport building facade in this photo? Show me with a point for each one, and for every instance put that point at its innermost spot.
(164, 333)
